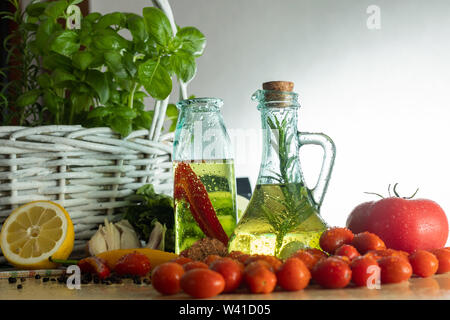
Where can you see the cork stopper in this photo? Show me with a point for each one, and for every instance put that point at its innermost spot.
(279, 93)
(287, 86)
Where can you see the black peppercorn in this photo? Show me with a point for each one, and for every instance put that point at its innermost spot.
(37, 276)
(45, 279)
(19, 286)
(12, 280)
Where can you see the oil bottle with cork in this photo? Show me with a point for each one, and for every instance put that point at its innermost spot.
(283, 214)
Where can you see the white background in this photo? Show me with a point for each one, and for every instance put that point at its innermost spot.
(381, 95)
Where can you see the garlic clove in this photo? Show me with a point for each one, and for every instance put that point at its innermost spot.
(97, 243)
(156, 239)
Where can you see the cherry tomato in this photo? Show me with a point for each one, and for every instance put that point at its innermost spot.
(230, 270)
(316, 252)
(166, 277)
(202, 283)
(424, 263)
(366, 241)
(260, 279)
(258, 263)
(181, 260)
(347, 251)
(194, 265)
(363, 268)
(242, 258)
(293, 275)
(333, 238)
(378, 254)
(308, 259)
(211, 258)
(394, 269)
(136, 264)
(235, 254)
(332, 273)
(343, 258)
(273, 261)
(443, 255)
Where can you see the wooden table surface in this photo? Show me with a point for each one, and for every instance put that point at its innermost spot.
(436, 287)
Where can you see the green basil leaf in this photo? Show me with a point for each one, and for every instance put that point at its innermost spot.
(111, 19)
(35, 9)
(52, 101)
(130, 65)
(183, 64)
(65, 42)
(99, 112)
(124, 112)
(121, 125)
(61, 78)
(82, 59)
(54, 61)
(136, 25)
(31, 26)
(192, 40)
(155, 78)
(139, 95)
(44, 80)
(107, 39)
(28, 98)
(167, 64)
(56, 9)
(92, 17)
(73, 2)
(144, 120)
(46, 28)
(114, 96)
(99, 82)
(114, 62)
(158, 26)
(80, 101)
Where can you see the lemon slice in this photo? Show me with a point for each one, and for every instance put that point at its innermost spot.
(34, 232)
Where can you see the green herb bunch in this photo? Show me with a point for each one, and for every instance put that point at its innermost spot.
(94, 75)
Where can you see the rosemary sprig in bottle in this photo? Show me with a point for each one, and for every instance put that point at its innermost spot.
(295, 201)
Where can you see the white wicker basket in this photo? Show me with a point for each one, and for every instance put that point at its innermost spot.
(88, 171)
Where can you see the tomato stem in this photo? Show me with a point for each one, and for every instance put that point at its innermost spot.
(407, 198)
(377, 194)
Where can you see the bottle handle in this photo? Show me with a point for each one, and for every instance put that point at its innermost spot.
(318, 192)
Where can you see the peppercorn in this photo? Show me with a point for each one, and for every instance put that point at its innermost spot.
(45, 279)
(22, 279)
(12, 280)
(37, 276)
(19, 286)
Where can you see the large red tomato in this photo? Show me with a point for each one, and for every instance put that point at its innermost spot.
(405, 224)
(357, 220)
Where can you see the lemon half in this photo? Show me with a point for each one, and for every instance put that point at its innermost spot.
(36, 231)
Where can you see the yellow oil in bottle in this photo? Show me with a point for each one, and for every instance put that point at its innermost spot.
(279, 220)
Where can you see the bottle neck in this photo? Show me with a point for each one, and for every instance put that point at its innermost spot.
(200, 134)
(280, 163)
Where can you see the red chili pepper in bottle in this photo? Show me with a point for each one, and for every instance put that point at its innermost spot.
(189, 187)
